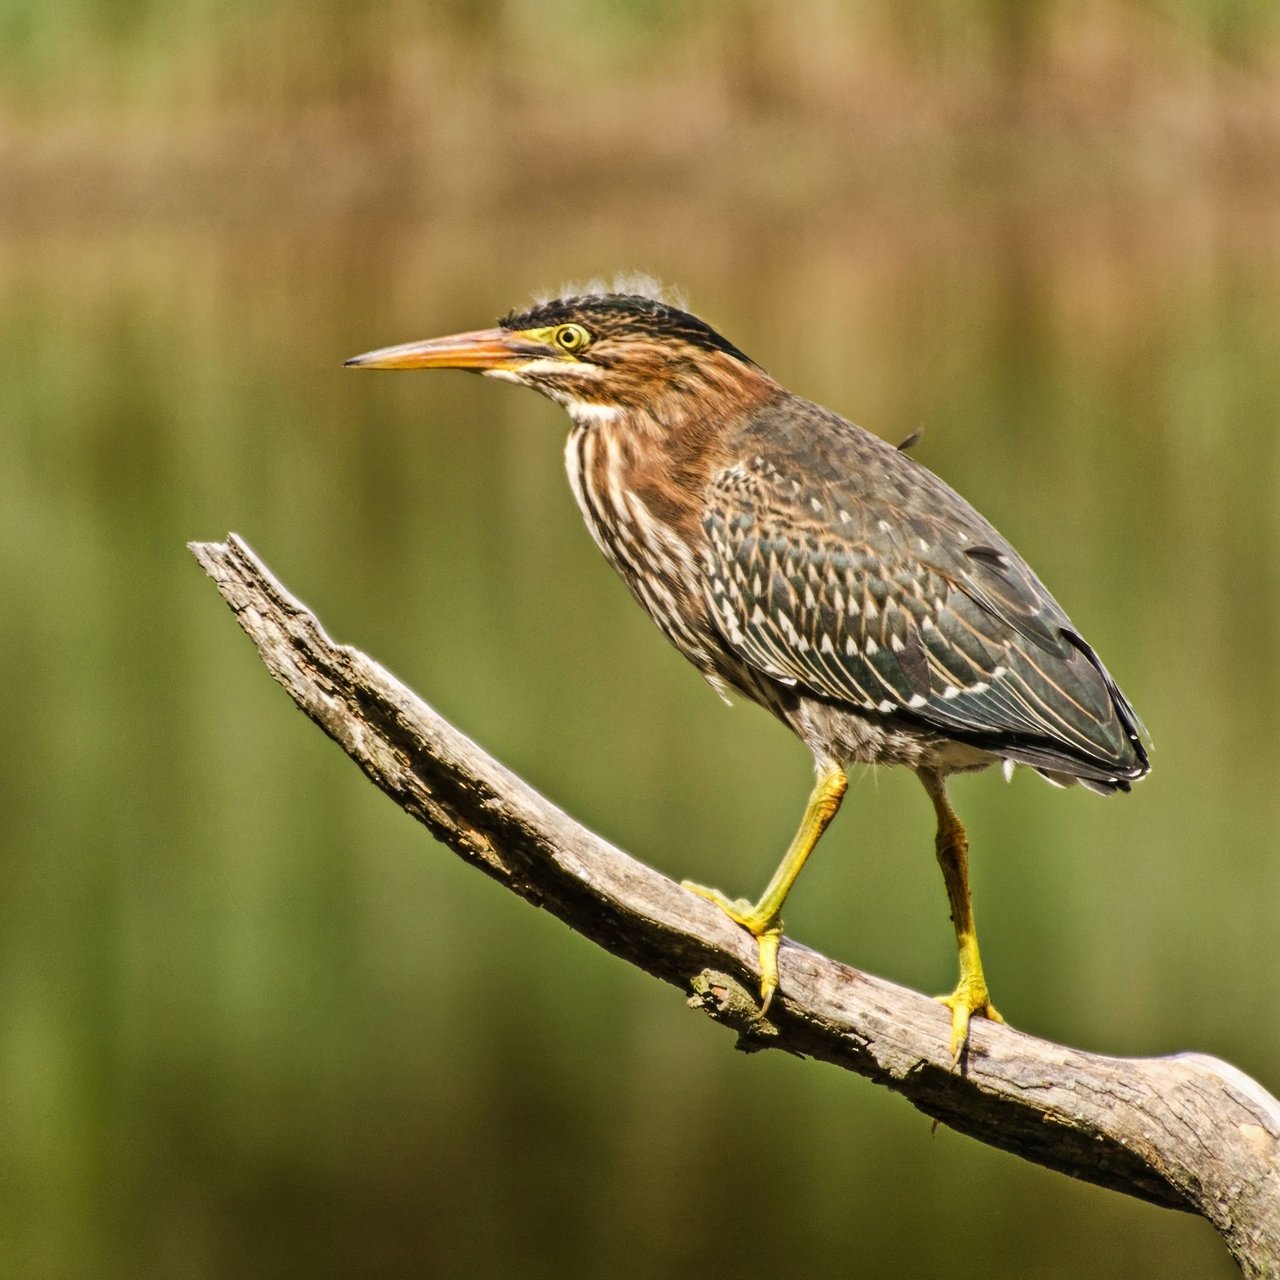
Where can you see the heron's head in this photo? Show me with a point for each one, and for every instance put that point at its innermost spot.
(598, 354)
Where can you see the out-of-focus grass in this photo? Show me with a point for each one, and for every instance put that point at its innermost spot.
(192, 109)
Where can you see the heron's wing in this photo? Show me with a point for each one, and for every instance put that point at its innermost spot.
(897, 607)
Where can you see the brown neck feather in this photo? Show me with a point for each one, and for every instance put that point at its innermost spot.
(672, 444)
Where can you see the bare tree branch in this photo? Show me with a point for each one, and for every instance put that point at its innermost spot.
(1188, 1131)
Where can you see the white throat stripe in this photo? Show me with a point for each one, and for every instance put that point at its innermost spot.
(585, 413)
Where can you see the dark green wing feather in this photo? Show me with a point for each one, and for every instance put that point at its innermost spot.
(855, 573)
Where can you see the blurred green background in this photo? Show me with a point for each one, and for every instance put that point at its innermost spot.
(253, 1021)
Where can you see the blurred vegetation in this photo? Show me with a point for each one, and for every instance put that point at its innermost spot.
(254, 1022)
(193, 108)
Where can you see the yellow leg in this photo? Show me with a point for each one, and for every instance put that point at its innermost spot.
(970, 996)
(763, 920)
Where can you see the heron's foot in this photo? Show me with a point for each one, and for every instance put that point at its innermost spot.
(765, 929)
(970, 998)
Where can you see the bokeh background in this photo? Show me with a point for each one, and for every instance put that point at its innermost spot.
(252, 1020)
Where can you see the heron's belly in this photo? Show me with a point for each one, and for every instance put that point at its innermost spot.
(848, 737)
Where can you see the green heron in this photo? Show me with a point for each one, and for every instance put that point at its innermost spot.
(806, 564)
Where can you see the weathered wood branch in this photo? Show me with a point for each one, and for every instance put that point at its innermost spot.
(1189, 1132)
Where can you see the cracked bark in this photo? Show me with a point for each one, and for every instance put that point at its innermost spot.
(1189, 1131)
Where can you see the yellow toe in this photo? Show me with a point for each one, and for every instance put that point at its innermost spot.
(767, 933)
(968, 1000)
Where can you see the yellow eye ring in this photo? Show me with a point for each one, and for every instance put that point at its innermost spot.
(571, 337)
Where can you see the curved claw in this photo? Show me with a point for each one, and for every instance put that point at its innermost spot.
(767, 945)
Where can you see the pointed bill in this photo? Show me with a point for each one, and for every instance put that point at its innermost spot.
(482, 349)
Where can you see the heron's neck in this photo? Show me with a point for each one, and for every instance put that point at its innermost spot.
(660, 454)
(684, 409)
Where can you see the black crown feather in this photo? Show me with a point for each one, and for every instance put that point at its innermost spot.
(618, 314)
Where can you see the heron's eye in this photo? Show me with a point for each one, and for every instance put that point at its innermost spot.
(571, 337)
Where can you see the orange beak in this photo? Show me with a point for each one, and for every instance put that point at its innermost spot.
(482, 350)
